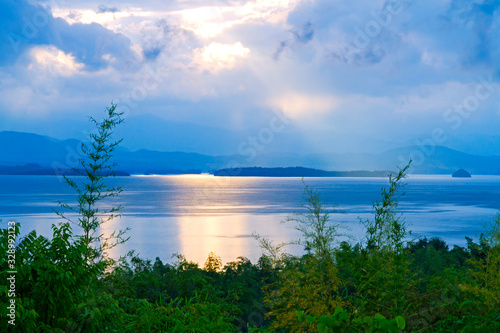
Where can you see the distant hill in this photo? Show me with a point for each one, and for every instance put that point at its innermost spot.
(18, 148)
(461, 174)
(35, 169)
(296, 172)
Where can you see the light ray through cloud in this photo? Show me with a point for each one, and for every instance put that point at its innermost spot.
(231, 64)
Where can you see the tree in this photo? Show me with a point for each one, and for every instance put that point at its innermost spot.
(484, 274)
(58, 279)
(385, 282)
(310, 283)
(213, 263)
(95, 166)
(318, 231)
(388, 230)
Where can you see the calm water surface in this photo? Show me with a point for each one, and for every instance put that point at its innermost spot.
(193, 215)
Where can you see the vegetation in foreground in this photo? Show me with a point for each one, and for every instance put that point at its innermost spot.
(383, 284)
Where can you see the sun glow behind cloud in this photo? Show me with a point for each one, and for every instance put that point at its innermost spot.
(250, 57)
(202, 36)
(107, 19)
(210, 21)
(206, 22)
(54, 61)
(298, 104)
(216, 56)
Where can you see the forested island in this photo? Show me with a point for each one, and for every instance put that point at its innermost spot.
(461, 174)
(295, 172)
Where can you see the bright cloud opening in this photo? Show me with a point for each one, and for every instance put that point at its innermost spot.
(211, 21)
(216, 56)
(54, 61)
(107, 19)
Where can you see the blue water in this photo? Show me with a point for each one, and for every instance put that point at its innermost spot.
(193, 215)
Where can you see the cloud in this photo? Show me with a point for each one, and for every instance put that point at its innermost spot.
(106, 9)
(54, 61)
(299, 104)
(303, 35)
(159, 36)
(216, 56)
(229, 62)
(211, 20)
(95, 46)
(152, 53)
(478, 22)
(24, 25)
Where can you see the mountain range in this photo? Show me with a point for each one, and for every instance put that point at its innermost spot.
(19, 148)
(147, 131)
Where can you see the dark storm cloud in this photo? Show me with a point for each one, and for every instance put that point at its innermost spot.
(302, 35)
(106, 9)
(152, 53)
(24, 25)
(305, 33)
(479, 22)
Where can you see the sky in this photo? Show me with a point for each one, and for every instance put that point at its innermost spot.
(387, 71)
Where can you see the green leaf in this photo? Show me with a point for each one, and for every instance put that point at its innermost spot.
(322, 328)
(300, 315)
(401, 322)
(378, 317)
(368, 321)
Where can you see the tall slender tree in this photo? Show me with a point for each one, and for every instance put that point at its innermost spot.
(96, 166)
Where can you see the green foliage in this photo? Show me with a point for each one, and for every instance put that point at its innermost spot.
(318, 231)
(50, 280)
(384, 281)
(468, 324)
(192, 315)
(388, 230)
(95, 167)
(231, 295)
(309, 283)
(386, 277)
(57, 278)
(304, 284)
(483, 283)
(342, 321)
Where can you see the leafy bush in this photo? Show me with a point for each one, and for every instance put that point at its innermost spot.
(342, 321)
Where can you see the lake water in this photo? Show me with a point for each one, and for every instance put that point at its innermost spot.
(195, 214)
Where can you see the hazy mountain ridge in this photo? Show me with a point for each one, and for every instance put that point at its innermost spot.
(18, 148)
(36, 169)
(295, 172)
(157, 133)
